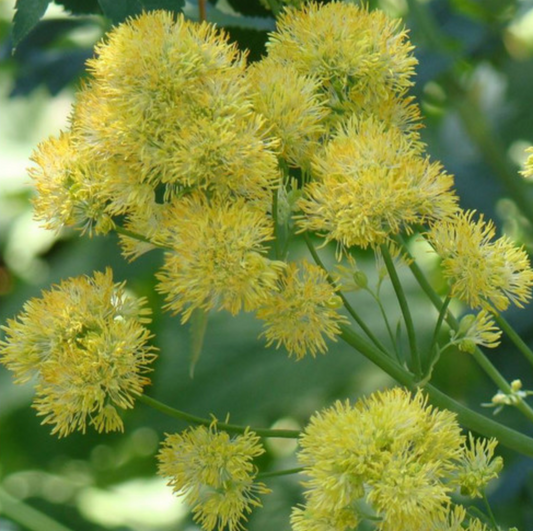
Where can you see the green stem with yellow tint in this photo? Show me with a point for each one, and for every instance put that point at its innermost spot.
(470, 419)
(231, 428)
(514, 337)
(404, 306)
(27, 516)
(277, 473)
(477, 354)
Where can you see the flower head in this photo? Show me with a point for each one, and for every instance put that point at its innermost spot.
(69, 192)
(86, 344)
(478, 466)
(302, 311)
(217, 258)
(483, 271)
(214, 473)
(390, 453)
(172, 100)
(477, 329)
(371, 182)
(356, 54)
(292, 106)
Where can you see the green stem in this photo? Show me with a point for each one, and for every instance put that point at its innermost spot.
(27, 516)
(277, 473)
(402, 299)
(470, 419)
(387, 323)
(489, 511)
(202, 16)
(232, 428)
(514, 337)
(345, 302)
(125, 232)
(434, 352)
(478, 355)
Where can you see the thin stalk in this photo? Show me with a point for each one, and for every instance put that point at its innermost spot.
(345, 302)
(125, 232)
(26, 515)
(231, 428)
(514, 337)
(202, 15)
(489, 511)
(402, 300)
(387, 323)
(477, 354)
(438, 326)
(277, 473)
(470, 419)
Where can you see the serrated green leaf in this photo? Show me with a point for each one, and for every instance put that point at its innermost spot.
(198, 330)
(27, 14)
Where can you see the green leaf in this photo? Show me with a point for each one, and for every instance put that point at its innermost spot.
(198, 329)
(27, 14)
(118, 11)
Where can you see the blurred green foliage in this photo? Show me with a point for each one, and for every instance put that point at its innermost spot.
(474, 81)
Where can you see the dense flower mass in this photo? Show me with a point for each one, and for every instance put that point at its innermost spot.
(293, 107)
(372, 182)
(482, 271)
(215, 474)
(217, 258)
(302, 312)
(68, 189)
(168, 110)
(360, 57)
(391, 456)
(85, 343)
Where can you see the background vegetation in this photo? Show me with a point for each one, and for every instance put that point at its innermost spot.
(474, 82)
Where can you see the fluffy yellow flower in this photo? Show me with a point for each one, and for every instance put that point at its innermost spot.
(215, 474)
(372, 182)
(302, 311)
(358, 55)
(172, 100)
(292, 106)
(390, 453)
(483, 271)
(477, 329)
(217, 258)
(478, 466)
(69, 192)
(86, 344)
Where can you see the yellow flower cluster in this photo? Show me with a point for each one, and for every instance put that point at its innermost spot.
(302, 311)
(391, 458)
(217, 258)
(477, 329)
(333, 89)
(167, 110)
(371, 182)
(215, 474)
(85, 344)
(484, 272)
